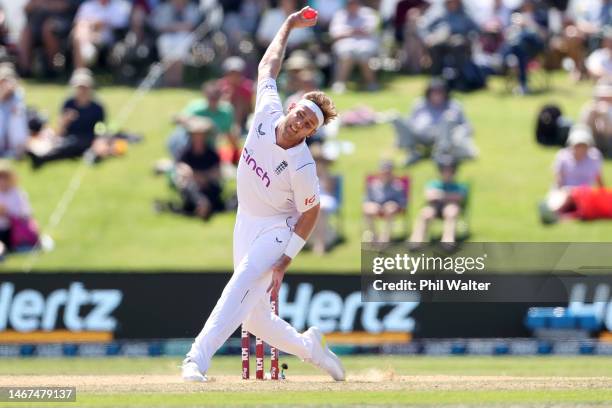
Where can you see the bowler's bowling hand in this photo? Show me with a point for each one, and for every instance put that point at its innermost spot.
(303, 18)
(278, 273)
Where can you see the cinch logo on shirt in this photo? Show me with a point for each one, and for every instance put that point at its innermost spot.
(252, 163)
(310, 200)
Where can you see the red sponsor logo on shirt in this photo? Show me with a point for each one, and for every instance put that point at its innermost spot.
(311, 200)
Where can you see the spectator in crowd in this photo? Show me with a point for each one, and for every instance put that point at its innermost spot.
(79, 116)
(444, 199)
(174, 21)
(324, 236)
(213, 107)
(386, 199)
(447, 32)
(240, 18)
(94, 26)
(404, 11)
(597, 115)
(305, 82)
(436, 123)
(48, 22)
(141, 12)
(599, 63)
(42, 136)
(299, 61)
(413, 55)
(524, 41)
(354, 32)
(237, 89)
(272, 20)
(584, 20)
(13, 117)
(580, 163)
(498, 12)
(589, 16)
(15, 212)
(197, 172)
(326, 10)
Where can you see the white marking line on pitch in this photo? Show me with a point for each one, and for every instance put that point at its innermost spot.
(58, 213)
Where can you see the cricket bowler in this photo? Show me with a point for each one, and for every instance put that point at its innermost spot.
(278, 206)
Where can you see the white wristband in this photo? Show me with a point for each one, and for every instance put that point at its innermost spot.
(295, 245)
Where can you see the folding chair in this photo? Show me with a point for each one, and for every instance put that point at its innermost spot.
(404, 182)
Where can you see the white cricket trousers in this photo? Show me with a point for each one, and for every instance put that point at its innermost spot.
(258, 243)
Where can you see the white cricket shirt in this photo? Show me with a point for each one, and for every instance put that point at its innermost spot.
(272, 180)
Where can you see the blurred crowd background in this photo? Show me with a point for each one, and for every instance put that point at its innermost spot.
(355, 46)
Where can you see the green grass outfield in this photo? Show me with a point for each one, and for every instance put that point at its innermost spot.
(373, 380)
(110, 223)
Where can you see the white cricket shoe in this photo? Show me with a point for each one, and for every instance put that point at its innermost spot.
(190, 371)
(323, 357)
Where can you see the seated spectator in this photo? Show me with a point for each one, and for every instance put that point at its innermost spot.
(212, 107)
(444, 199)
(237, 89)
(271, 22)
(48, 23)
(42, 136)
(141, 12)
(174, 21)
(240, 18)
(326, 10)
(386, 198)
(404, 10)
(597, 115)
(13, 118)
(354, 32)
(447, 32)
(79, 116)
(94, 26)
(524, 41)
(584, 19)
(413, 54)
(197, 173)
(324, 235)
(436, 123)
(580, 163)
(16, 226)
(599, 63)
(299, 61)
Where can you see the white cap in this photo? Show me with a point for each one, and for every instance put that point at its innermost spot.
(580, 134)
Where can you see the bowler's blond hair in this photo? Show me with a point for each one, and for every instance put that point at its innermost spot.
(325, 103)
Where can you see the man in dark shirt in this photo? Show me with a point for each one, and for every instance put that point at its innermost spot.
(198, 172)
(80, 114)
